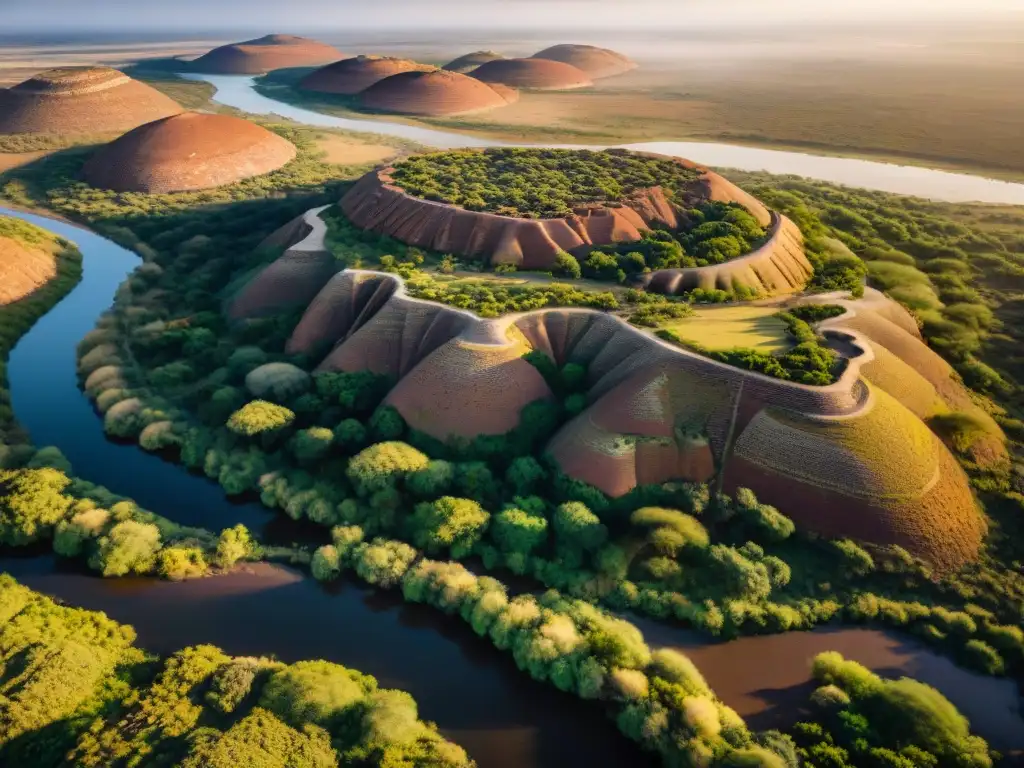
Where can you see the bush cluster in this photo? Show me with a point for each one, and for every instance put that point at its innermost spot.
(89, 697)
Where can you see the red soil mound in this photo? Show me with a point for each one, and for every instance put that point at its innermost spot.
(80, 100)
(294, 278)
(469, 387)
(264, 54)
(351, 76)
(540, 74)
(23, 269)
(431, 93)
(187, 151)
(471, 61)
(596, 62)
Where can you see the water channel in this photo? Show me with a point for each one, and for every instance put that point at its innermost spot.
(237, 91)
(474, 692)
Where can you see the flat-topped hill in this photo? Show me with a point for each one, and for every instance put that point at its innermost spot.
(81, 100)
(350, 76)
(436, 92)
(185, 152)
(470, 61)
(526, 207)
(596, 62)
(849, 458)
(28, 259)
(265, 54)
(539, 74)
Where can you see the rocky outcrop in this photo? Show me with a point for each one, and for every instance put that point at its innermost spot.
(777, 266)
(536, 74)
(596, 62)
(187, 152)
(81, 100)
(434, 93)
(265, 54)
(376, 203)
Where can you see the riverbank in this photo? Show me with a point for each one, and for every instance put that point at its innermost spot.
(237, 91)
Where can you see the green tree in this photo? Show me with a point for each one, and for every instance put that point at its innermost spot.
(260, 417)
(449, 524)
(129, 547)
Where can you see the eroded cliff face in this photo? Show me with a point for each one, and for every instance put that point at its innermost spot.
(376, 204)
(848, 459)
(779, 266)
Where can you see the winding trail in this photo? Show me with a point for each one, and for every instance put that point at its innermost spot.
(237, 91)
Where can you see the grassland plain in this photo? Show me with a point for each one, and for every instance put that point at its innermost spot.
(953, 113)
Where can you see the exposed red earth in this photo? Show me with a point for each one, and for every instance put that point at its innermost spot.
(185, 152)
(265, 54)
(434, 93)
(81, 100)
(351, 76)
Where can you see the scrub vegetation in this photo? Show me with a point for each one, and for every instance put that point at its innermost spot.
(76, 690)
(166, 368)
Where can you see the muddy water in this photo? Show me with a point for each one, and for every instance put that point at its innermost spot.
(767, 679)
(471, 690)
(236, 91)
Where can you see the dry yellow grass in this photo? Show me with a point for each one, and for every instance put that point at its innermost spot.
(344, 151)
(752, 327)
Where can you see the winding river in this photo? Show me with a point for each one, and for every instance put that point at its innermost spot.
(237, 91)
(474, 692)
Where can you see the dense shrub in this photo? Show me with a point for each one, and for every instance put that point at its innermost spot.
(129, 547)
(259, 417)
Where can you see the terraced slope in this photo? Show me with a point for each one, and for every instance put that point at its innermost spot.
(185, 152)
(847, 459)
(265, 54)
(81, 100)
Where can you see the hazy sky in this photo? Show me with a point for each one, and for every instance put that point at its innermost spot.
(338, 15)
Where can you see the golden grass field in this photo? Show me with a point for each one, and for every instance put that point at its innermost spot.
(344, 151)
(753, 327)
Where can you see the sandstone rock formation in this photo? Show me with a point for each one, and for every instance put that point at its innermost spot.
(187, 151)
(470, 61)
(351, 76)
(81, 100)
(265, 54)
(539, 74)
(596, 62)
(433, 93)
(377, 204)
(846, 460)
